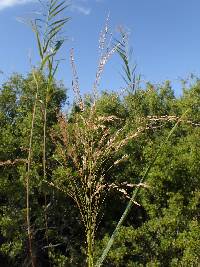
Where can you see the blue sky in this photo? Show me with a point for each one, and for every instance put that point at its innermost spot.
(165, 36)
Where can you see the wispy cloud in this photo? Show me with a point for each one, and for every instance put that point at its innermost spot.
(80, 9)
(81, 6)
(10, 3)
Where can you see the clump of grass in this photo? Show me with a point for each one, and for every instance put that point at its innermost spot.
(85, 148)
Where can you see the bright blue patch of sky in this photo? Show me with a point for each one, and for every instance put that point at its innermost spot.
(165, 37)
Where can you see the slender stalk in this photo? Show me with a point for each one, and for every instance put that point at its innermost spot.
(90, 234)
(44, 172)
(90, 248)
(28, 175)
(44, 142)
(49, 84)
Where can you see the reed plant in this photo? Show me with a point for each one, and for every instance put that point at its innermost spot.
(47, 30)
(87, 149)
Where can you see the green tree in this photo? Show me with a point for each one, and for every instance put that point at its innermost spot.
(163, 231)
(16, 98)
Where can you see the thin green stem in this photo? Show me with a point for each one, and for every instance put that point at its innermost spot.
(90, 242)
(28, 175)
(44, 171)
